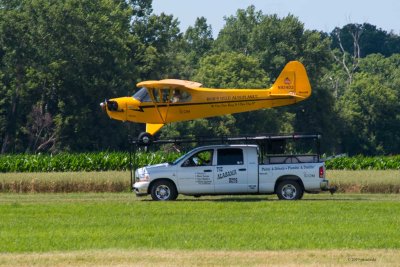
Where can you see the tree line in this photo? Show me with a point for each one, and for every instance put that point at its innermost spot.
(60, 59)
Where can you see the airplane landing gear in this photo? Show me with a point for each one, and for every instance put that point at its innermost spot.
(145, 139)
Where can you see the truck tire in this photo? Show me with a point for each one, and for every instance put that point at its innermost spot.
(163, 190)
(289, 190)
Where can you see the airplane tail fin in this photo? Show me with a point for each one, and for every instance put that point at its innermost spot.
(293, 81)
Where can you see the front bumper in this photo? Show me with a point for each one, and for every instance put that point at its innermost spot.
(141, 188)
(326, 187)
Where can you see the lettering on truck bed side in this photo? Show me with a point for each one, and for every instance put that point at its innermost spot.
(309, 175)
(289, 168)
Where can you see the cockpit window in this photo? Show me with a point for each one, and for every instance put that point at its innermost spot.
(179, 95)
(164, 95)
(142, 95)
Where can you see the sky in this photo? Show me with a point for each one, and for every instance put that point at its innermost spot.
(315, 14)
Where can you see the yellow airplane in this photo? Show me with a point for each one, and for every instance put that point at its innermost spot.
(160, 102)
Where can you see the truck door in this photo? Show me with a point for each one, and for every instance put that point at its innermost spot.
(196, 174)
(231, 171)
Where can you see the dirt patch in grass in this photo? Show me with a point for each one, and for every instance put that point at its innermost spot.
(344, 257)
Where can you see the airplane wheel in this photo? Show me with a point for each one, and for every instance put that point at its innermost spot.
(145, 139)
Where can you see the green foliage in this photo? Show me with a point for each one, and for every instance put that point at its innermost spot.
(65, 56)
(372, 40)
(66, 162)
(59, 59)
(231, 70)
(370, 107)
(274, 41)
(198, 40)
(364, 163)
(110, 161)
(160, 40)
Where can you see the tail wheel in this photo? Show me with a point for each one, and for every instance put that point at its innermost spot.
(163, 190)
(289, 190)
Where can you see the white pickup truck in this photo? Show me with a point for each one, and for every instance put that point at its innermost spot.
(232, 169)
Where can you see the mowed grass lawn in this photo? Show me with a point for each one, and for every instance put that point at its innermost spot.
(64, 222)
(119, 228)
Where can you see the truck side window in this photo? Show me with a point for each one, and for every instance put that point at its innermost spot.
(230, 156)
(202, 158)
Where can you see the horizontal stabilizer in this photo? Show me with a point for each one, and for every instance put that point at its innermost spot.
(289, 94)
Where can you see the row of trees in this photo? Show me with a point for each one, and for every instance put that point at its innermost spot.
(59, 59)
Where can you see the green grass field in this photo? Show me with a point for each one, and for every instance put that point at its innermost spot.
(81, 228)
(65, 222)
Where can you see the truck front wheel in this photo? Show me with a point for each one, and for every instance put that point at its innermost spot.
(289, 190)
(163, 190)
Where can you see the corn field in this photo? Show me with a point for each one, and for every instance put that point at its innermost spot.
(364, 163)
(71, 162)
(119, 161)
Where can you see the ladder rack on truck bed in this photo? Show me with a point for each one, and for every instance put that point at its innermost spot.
(231, 139)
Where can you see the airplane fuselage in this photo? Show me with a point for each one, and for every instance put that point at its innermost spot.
(161, 102)
(204, 103)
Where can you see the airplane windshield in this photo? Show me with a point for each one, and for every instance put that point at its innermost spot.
(142, 95)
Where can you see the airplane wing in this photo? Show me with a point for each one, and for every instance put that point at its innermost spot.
(170, 82)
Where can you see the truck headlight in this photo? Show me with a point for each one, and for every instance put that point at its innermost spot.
(142, 175)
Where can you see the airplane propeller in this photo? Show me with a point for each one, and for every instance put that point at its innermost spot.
(109, 104)
(103, 105)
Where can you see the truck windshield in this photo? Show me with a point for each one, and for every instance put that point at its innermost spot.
(181, 157)
(178, 160)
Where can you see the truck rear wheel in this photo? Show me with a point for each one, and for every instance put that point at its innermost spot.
(289, 190)
(163, 190)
